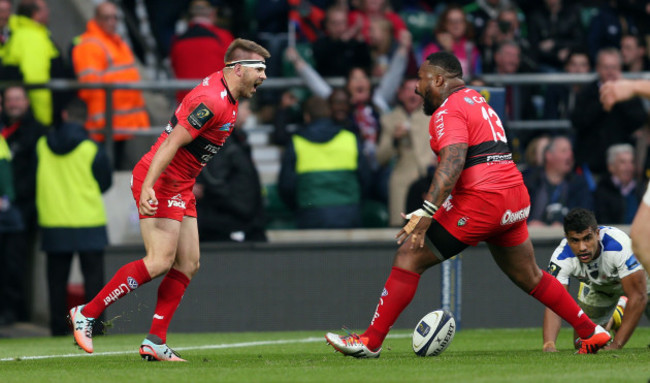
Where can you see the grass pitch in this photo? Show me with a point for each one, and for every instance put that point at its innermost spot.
(503, 355)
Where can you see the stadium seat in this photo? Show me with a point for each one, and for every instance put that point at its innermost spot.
(278, 215)
(419, 23)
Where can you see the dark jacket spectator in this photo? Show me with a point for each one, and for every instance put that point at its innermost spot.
(553, 31)
(617, 195)
(607, 27)
(595, 128)
(555, 188)
(229, 195)
(339, 50)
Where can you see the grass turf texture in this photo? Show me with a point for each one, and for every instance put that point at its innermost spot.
(496, 355)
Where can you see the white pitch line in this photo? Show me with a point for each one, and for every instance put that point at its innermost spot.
(204, 347)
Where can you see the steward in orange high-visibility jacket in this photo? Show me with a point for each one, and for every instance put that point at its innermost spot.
(104, 57)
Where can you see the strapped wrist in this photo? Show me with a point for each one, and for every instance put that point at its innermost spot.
(429, 207)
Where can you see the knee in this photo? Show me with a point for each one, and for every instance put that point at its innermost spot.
(158, 266)
(407, 259)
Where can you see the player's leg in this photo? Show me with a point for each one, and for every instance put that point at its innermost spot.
(640, 232)
(160, 237)
(518, 263)
(171, 291)
(398, 291)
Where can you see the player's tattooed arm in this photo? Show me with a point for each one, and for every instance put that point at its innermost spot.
(451, 164)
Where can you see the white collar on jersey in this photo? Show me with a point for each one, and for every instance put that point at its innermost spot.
(247, 63)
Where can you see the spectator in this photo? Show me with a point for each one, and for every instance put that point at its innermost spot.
(617, 195)
(534, 154)
(596, 129)
(553, 31)
(404, 135)
(507, 60)
(5, 14)
(634, 52)
(339, 49)
(202, 39)
(73, 172)
(323, 173)
(21, 131)
(32, 51)
(455, 35)
(608, 26)
(560, 99)
(505, 27)
(102, 56)
(383, 47)
(287, 117)
(229, 193)
(481, 12)
(376, 8)
(555, 188)
(11, 263)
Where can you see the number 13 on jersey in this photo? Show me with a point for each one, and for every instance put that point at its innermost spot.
(498, 133)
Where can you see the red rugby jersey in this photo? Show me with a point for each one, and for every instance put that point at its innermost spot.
(208, 113)
(466, 117)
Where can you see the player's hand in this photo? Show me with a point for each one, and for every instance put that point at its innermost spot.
(549, 347)
(614, 91)
(416, 228)
(148, 203)
(613, 346)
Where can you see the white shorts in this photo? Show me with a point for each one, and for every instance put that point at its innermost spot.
(597, 305)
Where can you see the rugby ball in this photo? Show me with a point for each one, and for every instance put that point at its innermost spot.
(434, 333)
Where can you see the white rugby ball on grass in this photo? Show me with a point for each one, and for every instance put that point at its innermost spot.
(434, 333)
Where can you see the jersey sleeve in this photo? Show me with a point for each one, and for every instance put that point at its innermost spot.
(197, 114)
(558, 266)
(451, 126)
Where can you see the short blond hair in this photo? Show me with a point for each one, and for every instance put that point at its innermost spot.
(241, 49)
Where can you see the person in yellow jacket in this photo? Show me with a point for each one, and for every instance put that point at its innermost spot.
(32, 51)
(72, 173)
(101, 55)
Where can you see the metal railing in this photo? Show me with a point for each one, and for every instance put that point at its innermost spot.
(524, 79)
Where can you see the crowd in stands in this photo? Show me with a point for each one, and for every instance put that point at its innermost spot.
(352, 156)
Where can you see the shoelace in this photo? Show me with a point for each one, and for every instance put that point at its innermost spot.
(87, 326)
(352, 337)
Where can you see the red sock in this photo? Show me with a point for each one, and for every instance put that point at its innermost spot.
(126, 279)
(398, 293)
(170, 293)
(551, 293)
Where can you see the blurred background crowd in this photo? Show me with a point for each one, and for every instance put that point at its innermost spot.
(336, 138)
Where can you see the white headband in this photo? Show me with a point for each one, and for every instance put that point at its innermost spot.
(247, 63)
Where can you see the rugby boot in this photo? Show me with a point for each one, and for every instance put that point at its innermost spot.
(82, 328)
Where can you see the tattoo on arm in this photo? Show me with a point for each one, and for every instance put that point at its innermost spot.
(451, 164)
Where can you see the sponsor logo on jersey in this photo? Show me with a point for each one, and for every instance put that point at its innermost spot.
(509, 217)
(440, 123)
(468, 100)
(632, 262)
(224, 93)
(114, 295)
(384, 292)
(462, 221)
(133, 284)
(553, 269)
(199, 116)
(206, 81)
(225, 127)
(176, 201)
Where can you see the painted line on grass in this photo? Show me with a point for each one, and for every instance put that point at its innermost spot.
(204, 347)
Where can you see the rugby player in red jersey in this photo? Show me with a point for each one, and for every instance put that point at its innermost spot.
(162, 184)
(477, 194)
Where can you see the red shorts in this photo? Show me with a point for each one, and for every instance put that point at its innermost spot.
(497, 217)
(175, 200)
